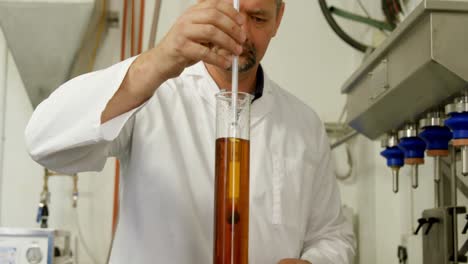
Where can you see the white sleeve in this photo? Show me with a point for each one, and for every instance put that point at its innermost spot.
(65, 133)
(329, 237)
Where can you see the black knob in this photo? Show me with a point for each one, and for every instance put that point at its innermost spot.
(402, 254)
(421, 221)
(465, 229)
(45, 216)
(431, 221)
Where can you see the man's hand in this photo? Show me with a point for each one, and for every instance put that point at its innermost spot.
(208, 24)
(294, 261)
(197, 35)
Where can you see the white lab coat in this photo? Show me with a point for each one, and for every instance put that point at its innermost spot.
(166, 148)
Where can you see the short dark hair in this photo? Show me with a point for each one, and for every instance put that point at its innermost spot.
(278, 4)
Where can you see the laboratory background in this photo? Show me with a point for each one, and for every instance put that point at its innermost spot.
(386, 77)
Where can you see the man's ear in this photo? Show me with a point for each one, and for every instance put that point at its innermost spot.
(279, 17)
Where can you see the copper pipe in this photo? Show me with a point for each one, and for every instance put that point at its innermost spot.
(140, 34)
(132, 31)
(124, 31)
(154, 25)
(116, 204)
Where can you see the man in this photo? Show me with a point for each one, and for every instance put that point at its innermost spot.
(156, 113)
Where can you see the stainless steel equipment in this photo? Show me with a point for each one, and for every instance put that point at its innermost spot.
(51, 41)
(438, 234)
(421, 65)
(414, 148)
(419, 69)
(35, 246)
(460, 106)
(440, 225)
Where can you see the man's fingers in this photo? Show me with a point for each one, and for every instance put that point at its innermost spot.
(197, 52)
(211, 34)
(221, 21)
(226, 8)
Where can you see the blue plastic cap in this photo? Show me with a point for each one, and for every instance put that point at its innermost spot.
(413, 147)
(436, 137)
(395, 156)
(458, 123)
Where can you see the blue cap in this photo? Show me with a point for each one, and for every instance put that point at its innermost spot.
(395, 156)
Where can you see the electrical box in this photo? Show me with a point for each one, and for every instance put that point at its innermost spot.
(34, 246)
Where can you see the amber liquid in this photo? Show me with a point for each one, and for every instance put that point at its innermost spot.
(231, 234)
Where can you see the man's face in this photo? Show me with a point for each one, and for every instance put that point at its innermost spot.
(262, 22)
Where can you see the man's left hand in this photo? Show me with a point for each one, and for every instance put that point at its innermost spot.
(294, 261)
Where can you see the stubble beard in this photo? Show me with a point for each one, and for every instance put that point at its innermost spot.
(250, 55)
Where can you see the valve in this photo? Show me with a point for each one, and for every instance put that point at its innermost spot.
(458, 123)
(395, 157)
(413, 148)
(437, 137)
(421, 223)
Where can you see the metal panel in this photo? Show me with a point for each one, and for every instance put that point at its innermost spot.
(28, 236)
(438, 243)
(6, 232)
(426, 65)
(44, 38)
(449, 41)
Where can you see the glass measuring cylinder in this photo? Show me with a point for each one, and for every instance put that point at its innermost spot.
(231, 230)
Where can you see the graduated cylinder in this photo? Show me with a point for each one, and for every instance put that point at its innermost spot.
(231, 230)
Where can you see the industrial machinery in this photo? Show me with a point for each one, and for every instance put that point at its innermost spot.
(413, 91)
(64, 42)
(35, 246)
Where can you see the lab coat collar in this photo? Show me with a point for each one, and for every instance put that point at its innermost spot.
(208, 89)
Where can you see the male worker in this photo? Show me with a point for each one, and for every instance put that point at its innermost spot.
(156, 113)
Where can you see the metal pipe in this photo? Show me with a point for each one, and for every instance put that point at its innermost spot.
(464, 160)
(344, 139)
(75, 190)
(381, 25)
(437, 169)
(154, 25)
(414, 176)
(3, 122)
(436, 181)
(454, 202)
(339, 31)
(395, 179)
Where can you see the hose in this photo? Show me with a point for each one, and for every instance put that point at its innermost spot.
(339, 31)
(347, 175)
(361, 19)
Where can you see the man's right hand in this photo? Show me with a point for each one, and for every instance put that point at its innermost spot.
(208, 24)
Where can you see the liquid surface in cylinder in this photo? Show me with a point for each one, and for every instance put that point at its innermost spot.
(231, 234)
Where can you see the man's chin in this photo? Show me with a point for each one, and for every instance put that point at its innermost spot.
(243, 68)
(244, 65)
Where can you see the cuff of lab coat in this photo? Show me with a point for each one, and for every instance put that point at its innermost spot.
(315, 257)
(111, 129)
